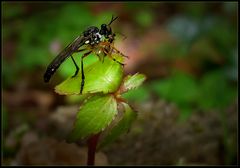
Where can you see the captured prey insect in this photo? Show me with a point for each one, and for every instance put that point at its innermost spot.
(95, 41)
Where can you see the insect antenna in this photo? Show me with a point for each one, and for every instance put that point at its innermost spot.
(113, 19)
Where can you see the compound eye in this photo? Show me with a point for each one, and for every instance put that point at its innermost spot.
(104, 26)
(103, 30)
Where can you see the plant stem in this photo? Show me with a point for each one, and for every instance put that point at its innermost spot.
(92, 144)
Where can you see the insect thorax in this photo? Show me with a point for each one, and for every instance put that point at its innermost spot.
(93, 36)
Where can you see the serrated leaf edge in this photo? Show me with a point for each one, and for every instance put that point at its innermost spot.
(93, 133)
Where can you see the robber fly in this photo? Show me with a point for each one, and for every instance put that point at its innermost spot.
(94, 40)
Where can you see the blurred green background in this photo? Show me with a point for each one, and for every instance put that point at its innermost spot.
(188, 51)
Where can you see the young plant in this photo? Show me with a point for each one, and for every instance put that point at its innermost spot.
(104, 115)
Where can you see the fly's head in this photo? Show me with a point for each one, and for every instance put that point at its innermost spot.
(106, 31)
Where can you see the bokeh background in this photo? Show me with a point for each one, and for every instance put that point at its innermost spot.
(187, 108)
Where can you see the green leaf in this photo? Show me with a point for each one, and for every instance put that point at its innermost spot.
(95, 115)
(121, 127)
(133, 81)
(99, 77)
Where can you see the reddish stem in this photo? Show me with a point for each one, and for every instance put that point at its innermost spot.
(92, 144)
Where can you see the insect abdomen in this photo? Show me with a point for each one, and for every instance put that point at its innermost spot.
(51, 69)
(49, 72)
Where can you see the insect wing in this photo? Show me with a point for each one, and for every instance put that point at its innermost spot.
(62, 56)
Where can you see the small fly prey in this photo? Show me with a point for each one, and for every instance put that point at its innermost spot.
(94, 40)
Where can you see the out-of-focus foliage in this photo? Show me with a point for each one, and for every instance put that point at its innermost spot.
(215, 91)
(205, 40)
(144, 18)
(139, 95)
(180, 88)
(189, 51)
(212, 91)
